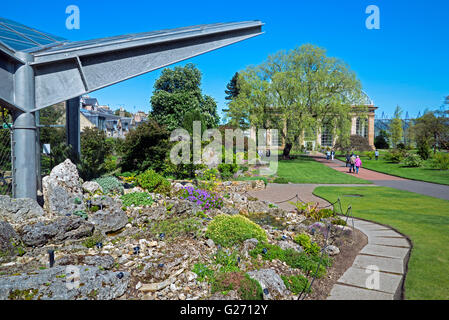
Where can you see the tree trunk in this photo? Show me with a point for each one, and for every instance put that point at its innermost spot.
(287, 149)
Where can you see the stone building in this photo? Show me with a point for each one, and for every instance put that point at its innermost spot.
(324, 137)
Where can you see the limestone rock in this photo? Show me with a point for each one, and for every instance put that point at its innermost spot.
(284, 245)
(62, 190)
(110, 217)
(231, 295)
(332, 250)
(91, 187)
(61, 229)
(54, 284)
(9, 240)
(249, 245)
(109, 221)
(19, 211)
(269, 279)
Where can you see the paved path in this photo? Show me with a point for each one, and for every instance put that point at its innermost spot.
(387, 250)
(385, 180)
(278, 193)
(385, 258)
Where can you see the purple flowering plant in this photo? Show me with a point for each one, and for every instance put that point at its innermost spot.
(205, 199)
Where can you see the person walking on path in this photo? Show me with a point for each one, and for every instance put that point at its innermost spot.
(348, 157)
(358, 164)
(376, 154)
(332, 154)
(352, 163)
(328, 154)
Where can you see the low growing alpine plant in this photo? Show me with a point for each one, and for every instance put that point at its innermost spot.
(205, 199)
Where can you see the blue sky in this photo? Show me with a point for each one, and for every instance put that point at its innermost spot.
(405, 63)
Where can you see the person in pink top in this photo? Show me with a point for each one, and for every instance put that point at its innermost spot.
(358, 164)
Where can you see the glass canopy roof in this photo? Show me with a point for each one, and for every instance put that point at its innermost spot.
(19, 37)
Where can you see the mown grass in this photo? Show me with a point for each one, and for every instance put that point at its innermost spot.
(424, 173)
(306, 170)
(424, 219)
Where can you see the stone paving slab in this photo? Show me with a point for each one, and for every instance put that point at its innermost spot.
(389, 283)
(342, 292)
(379, 234)
(385, 251)
(395, 242)
(385, 264)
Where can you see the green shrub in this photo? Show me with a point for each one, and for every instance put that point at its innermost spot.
(339, 221)
(227, 171)
(92, 241)
(110, 184)
(311, 210)
(296, 284)
(395, 155)
(110, 163)
(304, 241)
(175, 227)
(247, 288)
(203, 272)
(228, 230)
(138, 199)
(370, 155)
(280, 180)
(440, 161)
(412, 160)
(293, 258)
(424, 150)
(228, 262)
(147, 147)
(153, 182)
(94, 152)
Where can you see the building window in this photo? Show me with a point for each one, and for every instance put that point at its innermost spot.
(361, 128)
(326, 136)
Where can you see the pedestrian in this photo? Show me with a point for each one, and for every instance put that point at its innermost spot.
(332, 154)
(352, 163)
(376, 153)
(358, 164)
(328, 155)
(347, 159)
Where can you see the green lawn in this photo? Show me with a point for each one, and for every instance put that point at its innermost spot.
(424, 219)
(307, 170)
(424, 173)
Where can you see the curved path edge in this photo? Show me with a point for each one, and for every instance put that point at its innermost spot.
(379, 270)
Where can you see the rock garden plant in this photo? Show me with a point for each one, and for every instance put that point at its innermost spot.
(137, 199)
(110, 184)
(229, 230)
(206, 199)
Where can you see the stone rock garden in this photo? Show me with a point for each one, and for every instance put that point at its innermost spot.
(149, 238)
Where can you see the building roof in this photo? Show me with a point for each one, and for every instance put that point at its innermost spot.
(18, 37)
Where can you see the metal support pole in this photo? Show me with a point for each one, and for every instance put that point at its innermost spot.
(72, 121)
(24, 132)
(38, 152)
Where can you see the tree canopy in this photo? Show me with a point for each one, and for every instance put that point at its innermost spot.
(432, 129)
(176, 93)
(396, 130)
(295, 91)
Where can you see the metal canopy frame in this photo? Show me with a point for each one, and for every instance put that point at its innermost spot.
(51, 70)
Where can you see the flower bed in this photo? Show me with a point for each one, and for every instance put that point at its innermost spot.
(205, 199)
